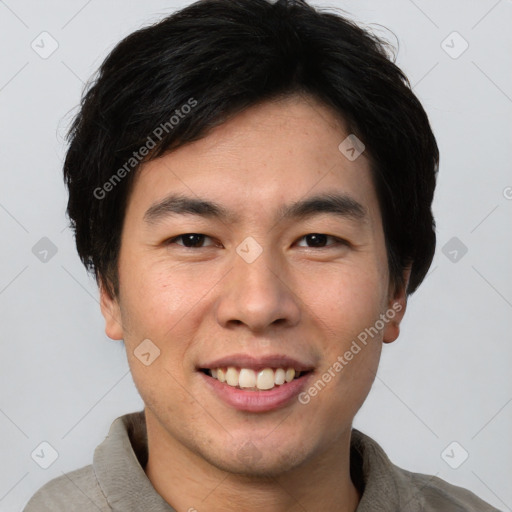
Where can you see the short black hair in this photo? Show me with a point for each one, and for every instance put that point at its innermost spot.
(169, 84)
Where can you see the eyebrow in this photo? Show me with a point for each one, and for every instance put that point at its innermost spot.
(340, 205)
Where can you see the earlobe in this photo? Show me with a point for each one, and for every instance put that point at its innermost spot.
(397, 305)
(112, 314)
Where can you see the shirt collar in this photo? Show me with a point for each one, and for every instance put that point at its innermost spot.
(120, 459)
(386, 487)
(118, 464)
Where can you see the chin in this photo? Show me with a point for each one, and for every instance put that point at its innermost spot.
(258, 462)
(260, 469)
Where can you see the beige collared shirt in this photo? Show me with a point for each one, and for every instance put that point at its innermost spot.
(116, 480)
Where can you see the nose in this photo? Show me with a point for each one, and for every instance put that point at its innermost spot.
(258, 295)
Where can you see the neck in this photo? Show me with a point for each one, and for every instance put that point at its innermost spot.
(190, 483)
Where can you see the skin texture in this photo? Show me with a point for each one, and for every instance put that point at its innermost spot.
(199, 304)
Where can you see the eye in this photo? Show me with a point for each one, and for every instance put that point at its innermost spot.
(191, 240)
(319, 240)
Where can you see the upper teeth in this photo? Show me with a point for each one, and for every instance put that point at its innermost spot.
(248, 378)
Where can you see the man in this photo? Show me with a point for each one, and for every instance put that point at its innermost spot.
(251, 184)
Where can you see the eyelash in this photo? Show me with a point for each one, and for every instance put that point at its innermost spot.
(338, 241)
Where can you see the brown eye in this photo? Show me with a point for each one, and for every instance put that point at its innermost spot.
(190, 240)
(319, 240)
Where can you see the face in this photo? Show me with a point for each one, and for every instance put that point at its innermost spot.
(258, 247)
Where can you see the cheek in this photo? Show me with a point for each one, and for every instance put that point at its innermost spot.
(158, 296)
(346, 300)
(347, 312)
(165, 304)
(158, 305)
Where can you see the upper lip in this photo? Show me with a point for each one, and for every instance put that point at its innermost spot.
(257, 363)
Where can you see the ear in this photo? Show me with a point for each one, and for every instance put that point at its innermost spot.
(111, 313)
(397, 305)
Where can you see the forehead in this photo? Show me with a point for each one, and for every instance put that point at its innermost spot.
(267, 156)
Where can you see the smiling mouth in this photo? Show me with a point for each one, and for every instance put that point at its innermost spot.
(251, 380)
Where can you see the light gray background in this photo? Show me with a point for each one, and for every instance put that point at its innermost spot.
(446, 379)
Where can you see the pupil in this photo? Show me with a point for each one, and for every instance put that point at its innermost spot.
(317, 240)
(192, 240)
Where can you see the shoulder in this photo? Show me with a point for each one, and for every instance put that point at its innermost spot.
(76, 491)
(433, 494)
(388, 488)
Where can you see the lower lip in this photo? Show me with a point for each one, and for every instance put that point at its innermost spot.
(257, 401)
